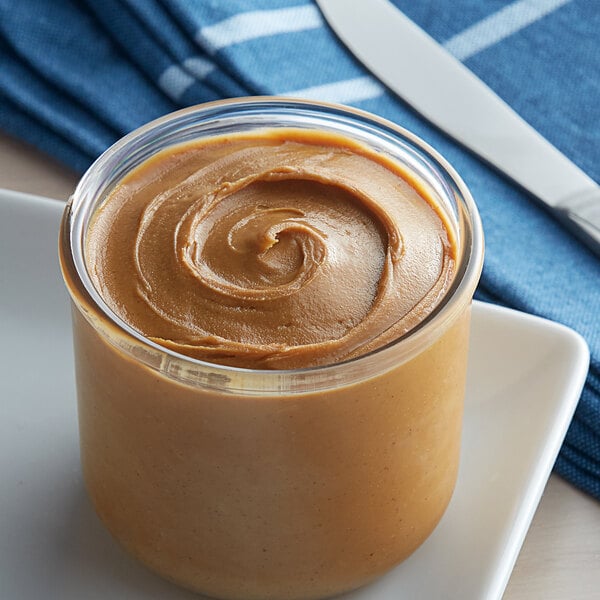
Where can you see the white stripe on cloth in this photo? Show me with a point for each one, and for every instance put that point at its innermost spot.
(343, 92)
(198, 66)
(256, 24)
(174, 81)
(500, 25)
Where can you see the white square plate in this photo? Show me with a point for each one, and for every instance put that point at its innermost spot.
(525, 377)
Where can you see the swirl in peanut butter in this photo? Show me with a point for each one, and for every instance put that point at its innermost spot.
(272, 250)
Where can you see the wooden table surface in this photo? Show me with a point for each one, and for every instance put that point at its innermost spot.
(560, 559)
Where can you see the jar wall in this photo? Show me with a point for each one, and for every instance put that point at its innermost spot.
(290, 497)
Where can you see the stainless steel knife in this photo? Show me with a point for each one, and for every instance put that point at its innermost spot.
(444, 91)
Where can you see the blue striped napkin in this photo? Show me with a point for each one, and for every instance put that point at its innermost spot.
(77, 75)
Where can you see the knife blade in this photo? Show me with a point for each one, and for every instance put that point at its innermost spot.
(439, 87)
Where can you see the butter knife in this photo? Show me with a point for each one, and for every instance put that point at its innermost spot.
(449, 95)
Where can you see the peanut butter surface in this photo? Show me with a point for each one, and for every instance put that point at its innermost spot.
(279, 249)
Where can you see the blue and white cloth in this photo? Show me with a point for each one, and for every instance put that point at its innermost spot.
(77, 75)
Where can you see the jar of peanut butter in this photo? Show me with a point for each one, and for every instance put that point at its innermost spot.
(271, 304)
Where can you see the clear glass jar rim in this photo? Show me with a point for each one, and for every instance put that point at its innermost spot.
(418, 338)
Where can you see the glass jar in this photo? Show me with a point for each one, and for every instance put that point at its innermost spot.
(255, 484)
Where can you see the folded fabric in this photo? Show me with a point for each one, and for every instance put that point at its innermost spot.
(74, 76)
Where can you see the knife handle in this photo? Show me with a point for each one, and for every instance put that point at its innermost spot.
(581, 215)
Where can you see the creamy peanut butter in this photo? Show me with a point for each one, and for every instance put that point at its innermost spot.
(282, 249)
(275, 249)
